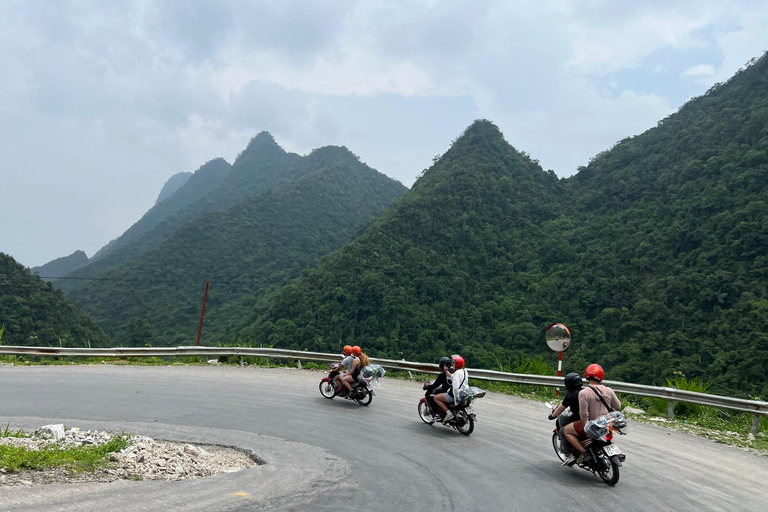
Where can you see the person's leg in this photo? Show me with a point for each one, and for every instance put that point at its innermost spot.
(347, 381)
(338, 380)
(440, 400)
(572, 437)
(449, 401)
(566, 446)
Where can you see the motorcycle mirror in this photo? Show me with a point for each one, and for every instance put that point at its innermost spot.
(558, 337)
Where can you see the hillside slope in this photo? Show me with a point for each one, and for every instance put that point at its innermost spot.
(35, 314)
(245, 251)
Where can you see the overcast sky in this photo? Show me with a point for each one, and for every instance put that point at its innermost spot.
(101, 102)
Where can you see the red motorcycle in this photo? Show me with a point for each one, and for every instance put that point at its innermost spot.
(361, 392)
(605, 457)
(464, 415)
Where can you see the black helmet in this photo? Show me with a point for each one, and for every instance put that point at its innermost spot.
(444, 361)
(572, 381)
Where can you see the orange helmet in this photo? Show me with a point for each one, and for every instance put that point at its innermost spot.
(594, 371)
(356, 350)
(347, 350)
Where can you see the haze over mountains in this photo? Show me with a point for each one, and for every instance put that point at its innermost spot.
(654, 254)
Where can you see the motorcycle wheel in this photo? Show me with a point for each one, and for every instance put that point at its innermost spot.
(556, 446)
(468, 423)
(366, 397)
(425, 414)
(611, 473)
(326, 389)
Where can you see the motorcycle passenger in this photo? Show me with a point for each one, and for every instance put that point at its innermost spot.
(591, 407)
(354, 370)
(573, 386)
(440, 385)
(459, 382)
(346, 363)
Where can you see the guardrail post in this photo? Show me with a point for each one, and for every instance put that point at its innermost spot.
(671, 410)
(241, 360)
(410, 375)
(755, 424)
(298, 363)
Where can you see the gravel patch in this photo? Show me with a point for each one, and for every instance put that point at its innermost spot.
(144, 459)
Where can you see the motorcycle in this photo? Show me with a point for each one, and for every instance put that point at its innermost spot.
(464, 415)
(605, 458)
(361, 392)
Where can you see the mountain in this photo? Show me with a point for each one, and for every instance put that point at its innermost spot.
(445, 269)
(246, 251)
(35, 314)
(654, 255)
(173, 184)
(163, 218)
(61, 266)
(214, 187)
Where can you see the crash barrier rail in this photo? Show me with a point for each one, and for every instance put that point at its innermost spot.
(672, 395)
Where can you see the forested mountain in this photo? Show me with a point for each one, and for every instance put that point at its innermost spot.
(173, 184)
(36, 314)
(61, 266)
(214, 187)
(654, 254)
(253, 247)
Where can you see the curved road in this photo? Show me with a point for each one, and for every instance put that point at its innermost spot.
(393, 460)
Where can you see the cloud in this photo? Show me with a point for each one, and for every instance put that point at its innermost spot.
(700, 70)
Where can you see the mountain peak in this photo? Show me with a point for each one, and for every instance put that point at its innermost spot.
(480, 132)
(263, 144)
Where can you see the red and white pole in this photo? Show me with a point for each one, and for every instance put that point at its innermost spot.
(559, 369)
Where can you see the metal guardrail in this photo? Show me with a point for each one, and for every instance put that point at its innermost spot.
(672, 395)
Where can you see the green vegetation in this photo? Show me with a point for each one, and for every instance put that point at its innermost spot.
(34, 313)
(214, 187)
(654, 255)
(247, 251)
(74, 459)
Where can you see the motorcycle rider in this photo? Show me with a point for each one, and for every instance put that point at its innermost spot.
(346, 363)
(354, 370)
(441, 385)
(591, 407)
(459, 383)
(573, 386)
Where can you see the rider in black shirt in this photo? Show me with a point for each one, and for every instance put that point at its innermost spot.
(573, 386)
(440, 385)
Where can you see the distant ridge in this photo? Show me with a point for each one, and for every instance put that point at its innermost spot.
(172, 185)
(61, 266)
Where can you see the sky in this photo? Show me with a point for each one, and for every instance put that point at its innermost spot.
(102, 102)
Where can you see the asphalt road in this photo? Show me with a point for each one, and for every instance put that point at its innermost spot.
(337, 455)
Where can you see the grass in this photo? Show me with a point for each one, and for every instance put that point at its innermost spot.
(74, 459)
(13, 433)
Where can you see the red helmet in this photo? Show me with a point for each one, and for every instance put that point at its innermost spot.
(347, 350)
(458, 362)
(594, 371)
(356, 350)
